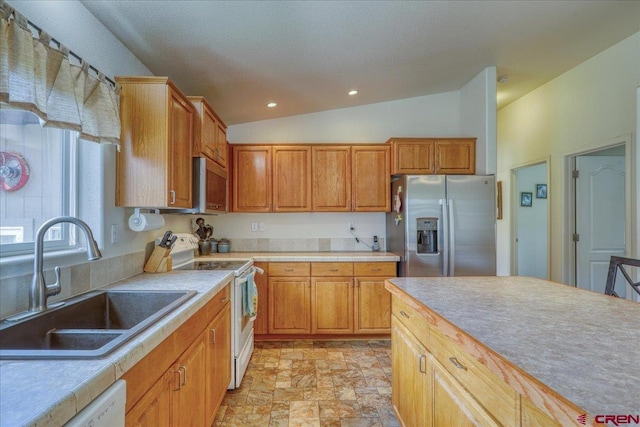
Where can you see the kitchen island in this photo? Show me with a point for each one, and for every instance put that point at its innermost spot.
(525, 350)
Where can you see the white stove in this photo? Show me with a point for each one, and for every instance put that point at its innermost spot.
(183, 258)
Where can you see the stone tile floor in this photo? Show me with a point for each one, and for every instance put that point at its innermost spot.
(309, 383)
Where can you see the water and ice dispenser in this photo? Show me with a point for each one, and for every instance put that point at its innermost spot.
(427, 229)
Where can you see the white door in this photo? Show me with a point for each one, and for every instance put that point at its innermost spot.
(600, 219)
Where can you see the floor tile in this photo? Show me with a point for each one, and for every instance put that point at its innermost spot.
(311, 383)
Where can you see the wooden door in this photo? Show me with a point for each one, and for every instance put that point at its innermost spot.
(452, 404)
(331, 169)
(291, 178)
(413, 156)
(371, 170)
(218, 365)
(189, 405)
(289, 305)
(252, 178)
(456, 156)
(331, 305)
(181, 125)
(261, 324)
(154, 409)
(372, 306)
(221, 145)
(410, 382)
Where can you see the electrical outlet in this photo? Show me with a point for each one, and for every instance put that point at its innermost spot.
(114, 233)
(254, 226)
(261, 226)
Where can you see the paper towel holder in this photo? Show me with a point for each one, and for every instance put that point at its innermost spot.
(135, 219)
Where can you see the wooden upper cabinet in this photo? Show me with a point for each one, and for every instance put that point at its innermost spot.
(211, 135)
(371, 178)
(154, 167)
(456, 156)
(412, 156)
(424, 156)
(291, 178)
(252, 188)
(331, 180)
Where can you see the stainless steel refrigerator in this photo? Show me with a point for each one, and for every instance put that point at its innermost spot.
(443, 225)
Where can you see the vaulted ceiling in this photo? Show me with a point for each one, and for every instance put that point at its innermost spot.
(306, 55)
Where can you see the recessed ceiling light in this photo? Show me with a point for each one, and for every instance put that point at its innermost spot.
(503, 79)
(271, 104)
(353, 92)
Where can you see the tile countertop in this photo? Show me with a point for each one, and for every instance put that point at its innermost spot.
(307, 256)
(581, 344)
(50, 392)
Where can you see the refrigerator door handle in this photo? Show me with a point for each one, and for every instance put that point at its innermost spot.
(444, 232)
(452, 239)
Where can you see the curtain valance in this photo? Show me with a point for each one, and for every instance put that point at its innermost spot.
(37, 77)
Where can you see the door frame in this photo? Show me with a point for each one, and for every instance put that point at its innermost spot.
(513, 207)
(570, 272)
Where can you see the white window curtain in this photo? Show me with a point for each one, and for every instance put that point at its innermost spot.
(37, 77)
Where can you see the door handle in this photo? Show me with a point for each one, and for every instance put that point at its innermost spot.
(422, 364)
(173, 197)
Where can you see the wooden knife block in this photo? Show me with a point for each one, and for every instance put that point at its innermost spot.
(159, 261)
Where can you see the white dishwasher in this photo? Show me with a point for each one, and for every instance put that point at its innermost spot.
(106, 410)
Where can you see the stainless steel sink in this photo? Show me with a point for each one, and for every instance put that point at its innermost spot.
(88, 326)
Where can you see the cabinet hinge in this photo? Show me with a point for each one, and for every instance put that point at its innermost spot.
(575, 174)
(576, 237)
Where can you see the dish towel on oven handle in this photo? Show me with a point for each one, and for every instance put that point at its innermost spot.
(250, 295)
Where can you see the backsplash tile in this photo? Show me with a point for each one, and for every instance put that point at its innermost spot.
(303, 245)
(75, 279)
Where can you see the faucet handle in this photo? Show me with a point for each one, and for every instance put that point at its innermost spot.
(54, 288)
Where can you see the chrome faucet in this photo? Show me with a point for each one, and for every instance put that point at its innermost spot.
(40, 291)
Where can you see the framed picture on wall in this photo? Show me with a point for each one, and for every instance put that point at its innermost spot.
(541, 191)
(526, 199)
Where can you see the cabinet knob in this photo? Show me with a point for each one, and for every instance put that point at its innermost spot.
(213, 336)
(404, 314)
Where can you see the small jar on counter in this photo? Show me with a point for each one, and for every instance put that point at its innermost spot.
(214, 245)
(224, 246)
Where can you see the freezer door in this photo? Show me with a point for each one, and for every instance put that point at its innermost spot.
(472, 225)
(425, 195)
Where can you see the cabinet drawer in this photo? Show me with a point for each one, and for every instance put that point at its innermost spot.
(415, 322)
(382, 269)
(219, 300)
(332, 269)
(491, 392)
(288, 269)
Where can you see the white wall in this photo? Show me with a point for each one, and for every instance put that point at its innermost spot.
(478, 105)
(580, 110)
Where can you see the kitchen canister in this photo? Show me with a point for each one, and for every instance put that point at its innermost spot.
(224, 246)
(214, 245)
(204, 248)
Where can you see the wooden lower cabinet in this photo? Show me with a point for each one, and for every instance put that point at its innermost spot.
(154, 409)
(191, 383)
(190, 374)
(218, 355)
(411, 385)
(289, 305)
(331, 305)
(326, 298)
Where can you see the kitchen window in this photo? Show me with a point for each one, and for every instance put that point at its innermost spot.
(38, 181)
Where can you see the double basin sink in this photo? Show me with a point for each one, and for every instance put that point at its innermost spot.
(88, 326)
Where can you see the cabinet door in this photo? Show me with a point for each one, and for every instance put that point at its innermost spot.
(331, 305)
(452, 404)
(532, 416)
(372, 306)
(154, 409)
(456, 156)
(252, 179)
(371, 178)
(189, 395)
(411, 385)
(181, 123)
(331, 169)
(221, 145)
(261, 324)
(413, 157)
(218, 365)
(291, 179)
(289, 304)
